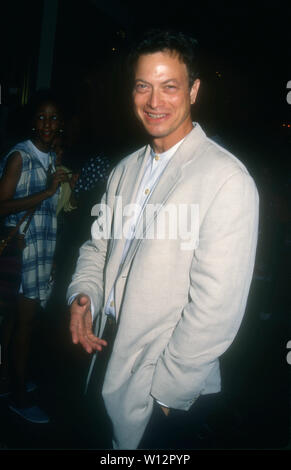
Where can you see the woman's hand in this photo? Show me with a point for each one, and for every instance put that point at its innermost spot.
(73, 180)
(55, 180)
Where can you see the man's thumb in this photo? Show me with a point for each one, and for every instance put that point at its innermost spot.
(83, 300)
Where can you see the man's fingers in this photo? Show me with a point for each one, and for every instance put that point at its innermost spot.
(74, 329)
(96, 342)
(82, 333)
(75, 336)
(79, 309)
(81, 325)
(93, 340)
(82, 338)
(91, 343)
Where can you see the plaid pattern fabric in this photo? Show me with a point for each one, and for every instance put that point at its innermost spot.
(40, 238)
(10, 268)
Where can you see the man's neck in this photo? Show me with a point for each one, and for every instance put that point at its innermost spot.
(162, 144)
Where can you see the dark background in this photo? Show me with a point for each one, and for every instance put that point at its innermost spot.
(245, 49)
(246, 64)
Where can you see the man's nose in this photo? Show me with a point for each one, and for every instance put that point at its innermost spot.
(155, 99)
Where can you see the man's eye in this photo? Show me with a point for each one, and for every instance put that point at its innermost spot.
(140, 87)
(41, 117)
(171, 87)
(54, 118)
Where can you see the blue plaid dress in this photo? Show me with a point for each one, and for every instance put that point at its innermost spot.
(40, 237)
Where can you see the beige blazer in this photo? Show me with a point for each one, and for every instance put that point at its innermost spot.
(178, 309)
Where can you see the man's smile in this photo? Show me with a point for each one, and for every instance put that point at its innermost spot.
(155, 115)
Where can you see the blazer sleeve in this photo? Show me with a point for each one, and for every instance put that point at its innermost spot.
(220, 277)
(88, 277)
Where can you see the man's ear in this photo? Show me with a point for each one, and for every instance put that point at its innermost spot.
(194, 91)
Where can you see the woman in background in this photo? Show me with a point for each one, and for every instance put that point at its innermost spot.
(29, 181)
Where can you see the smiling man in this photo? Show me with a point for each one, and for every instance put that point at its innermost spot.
(163, 313)
(162, 98)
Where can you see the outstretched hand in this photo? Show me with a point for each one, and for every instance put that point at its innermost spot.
(81, 325)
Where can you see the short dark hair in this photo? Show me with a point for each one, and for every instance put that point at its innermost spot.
(158, 40)
(42, 96)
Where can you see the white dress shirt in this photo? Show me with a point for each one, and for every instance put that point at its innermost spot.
(155, 166)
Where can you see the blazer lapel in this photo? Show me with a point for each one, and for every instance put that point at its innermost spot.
(126, 194)
(171, 176)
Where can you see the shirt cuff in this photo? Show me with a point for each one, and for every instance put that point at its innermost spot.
(162, 404)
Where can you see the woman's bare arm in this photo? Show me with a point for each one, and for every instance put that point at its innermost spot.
(8, 184)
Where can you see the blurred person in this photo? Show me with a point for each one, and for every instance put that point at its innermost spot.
(67, 200)
(29, 181)
(88, 189)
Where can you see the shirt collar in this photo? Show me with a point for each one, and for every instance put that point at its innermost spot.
(168, 153)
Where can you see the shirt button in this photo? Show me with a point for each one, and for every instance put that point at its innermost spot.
(147, 191)
(111, 303)
(157, 157)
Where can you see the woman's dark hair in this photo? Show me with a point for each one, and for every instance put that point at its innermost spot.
(44, 96)
(157, 40)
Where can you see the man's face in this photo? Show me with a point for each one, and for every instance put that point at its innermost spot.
(162, 98)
